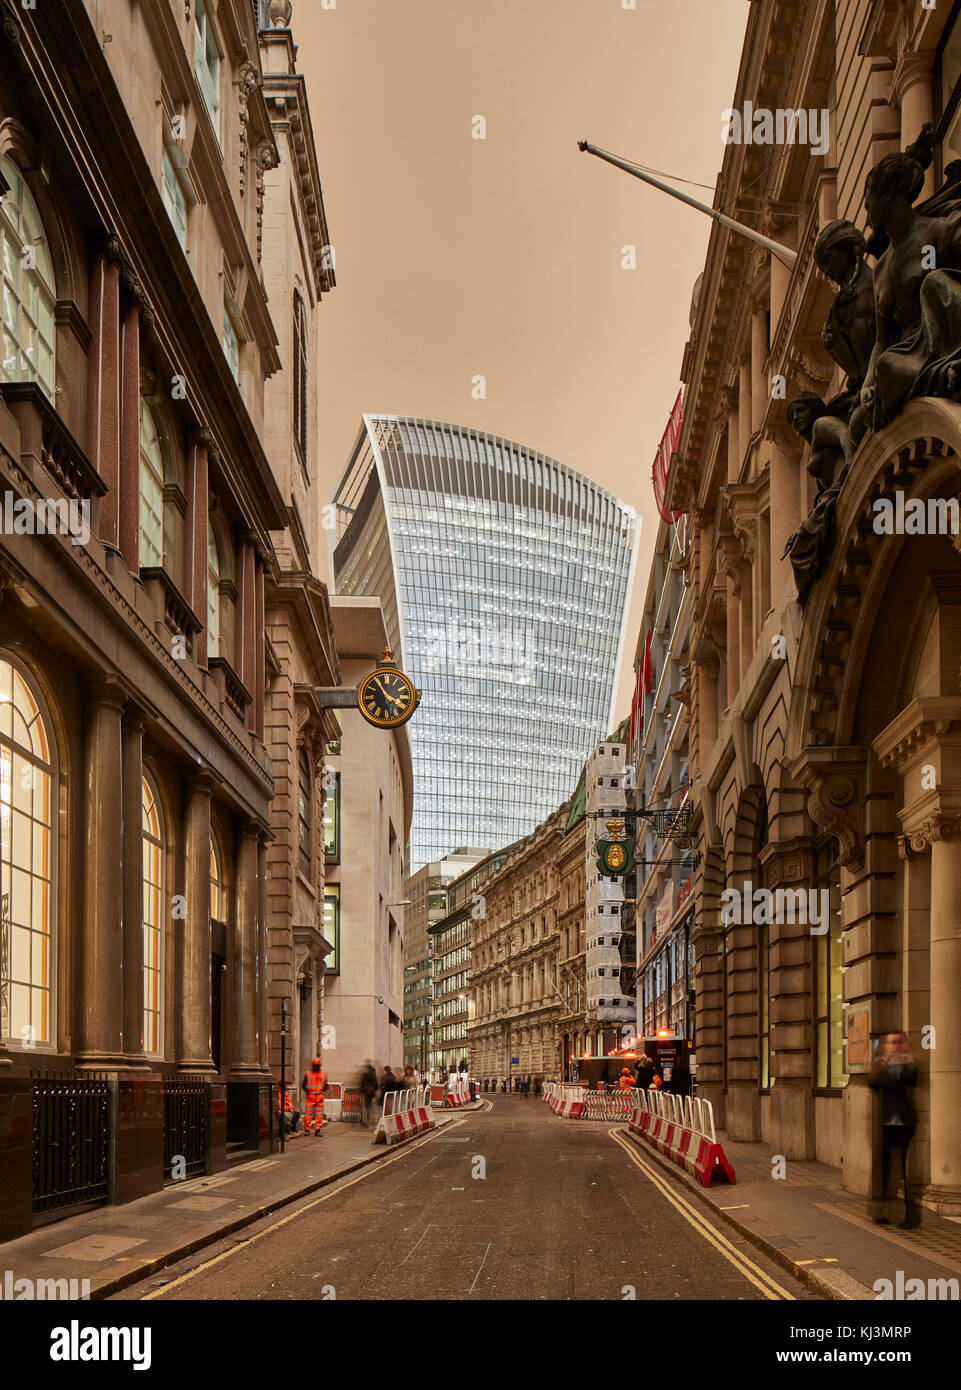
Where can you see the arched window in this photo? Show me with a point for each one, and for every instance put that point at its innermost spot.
(29, 292)
(300, 374)
(151, 491)
(213, 594)
(153, 890)
(217, 892)
(26, 862)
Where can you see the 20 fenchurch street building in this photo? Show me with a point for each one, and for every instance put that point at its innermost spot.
(505, 579)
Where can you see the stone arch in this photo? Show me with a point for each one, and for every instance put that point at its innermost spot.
(918, 454)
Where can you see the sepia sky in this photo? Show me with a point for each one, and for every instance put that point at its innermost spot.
(501, 257)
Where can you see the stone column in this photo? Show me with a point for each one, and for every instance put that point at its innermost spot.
(262, 948)
(244, 1060)
(245, 644)
(103, 386)
(194, 993)
(100, 1002)
(760, 389)
(785, 513)
(912, 90)
(129, 468)
(132, 854)
(733, 446)
(195, 544)
(945, 1055)
(780, 279)
(257, 709)
(744, 410)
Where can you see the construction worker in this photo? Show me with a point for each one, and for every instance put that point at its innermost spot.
(627, 1079)
(314, 1084)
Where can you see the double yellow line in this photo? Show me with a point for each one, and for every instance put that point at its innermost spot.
(752, 1272)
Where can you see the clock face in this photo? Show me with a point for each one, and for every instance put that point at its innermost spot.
(386, 698)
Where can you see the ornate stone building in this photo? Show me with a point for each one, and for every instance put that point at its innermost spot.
(514, 998)
(297, 263)
(135, 778)
(825, 702)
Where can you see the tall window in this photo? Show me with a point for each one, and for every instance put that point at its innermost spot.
(828, 976)
(332, 824)
(217, 894)
(26, 862)
(151, 490)
(153, 867)
(304, 795)
(213, 595)
(231, 346)
(300, 374)
(174, 196)
(29, 292)
(207, 62)
(332, 925)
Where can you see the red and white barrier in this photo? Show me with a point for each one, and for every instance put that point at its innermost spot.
(458, 1097)
(682, 1129)
(405, 1114)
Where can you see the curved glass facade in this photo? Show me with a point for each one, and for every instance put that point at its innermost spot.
(505, 579)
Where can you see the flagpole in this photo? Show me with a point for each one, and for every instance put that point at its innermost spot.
(758, 237)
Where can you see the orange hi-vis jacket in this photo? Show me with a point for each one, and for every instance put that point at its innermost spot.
(626, 1082)
(316, 1084)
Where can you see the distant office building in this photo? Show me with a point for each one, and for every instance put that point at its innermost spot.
(505, 579)
(426, 903)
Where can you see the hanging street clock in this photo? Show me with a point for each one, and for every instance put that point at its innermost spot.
(387, 698)
(615, 856)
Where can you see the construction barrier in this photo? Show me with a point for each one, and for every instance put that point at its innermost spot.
(682, 1128)
(333, 1100)
(460, 1096)
(405, 1114)
(351, 1106)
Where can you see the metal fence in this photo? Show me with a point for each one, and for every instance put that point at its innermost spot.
(185, 1126)
(71, 1140)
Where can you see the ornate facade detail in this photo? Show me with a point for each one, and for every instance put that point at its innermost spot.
(834, 779)
(919, 841)
(265, 157)
(248, 81)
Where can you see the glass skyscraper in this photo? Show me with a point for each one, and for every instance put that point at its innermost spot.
(505, 579)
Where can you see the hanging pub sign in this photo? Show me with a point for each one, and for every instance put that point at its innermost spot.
(615, 856)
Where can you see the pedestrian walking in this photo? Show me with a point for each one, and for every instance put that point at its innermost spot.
(895, 1075)
(645, 1071)
(388, 1082)
(314, 1085)
(681, 1077)
(410, 1080)
(367, 1085)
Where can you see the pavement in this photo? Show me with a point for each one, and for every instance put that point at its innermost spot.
(503, 1203)
(821, 1234)
(114, 1246)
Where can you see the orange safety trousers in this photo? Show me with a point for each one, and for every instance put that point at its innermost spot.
(314, 1109)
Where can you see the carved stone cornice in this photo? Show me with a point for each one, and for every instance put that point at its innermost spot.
(919, 840)
(834, 778)
(922, 723)
(813, 376)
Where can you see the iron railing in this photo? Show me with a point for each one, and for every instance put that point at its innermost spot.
(71, 1140)
(185, 1126)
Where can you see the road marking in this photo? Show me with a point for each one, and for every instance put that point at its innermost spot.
(334, 1192)
(482, 1263)
(410, 1252)
(752, 1272)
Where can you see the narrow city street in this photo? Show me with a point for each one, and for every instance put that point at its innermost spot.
(562, 1211)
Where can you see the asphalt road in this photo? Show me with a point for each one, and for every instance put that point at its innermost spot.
(508, 1203)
